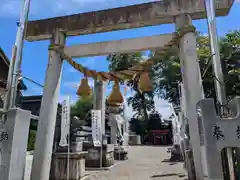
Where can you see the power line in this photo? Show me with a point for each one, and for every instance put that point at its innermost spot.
(31, 80)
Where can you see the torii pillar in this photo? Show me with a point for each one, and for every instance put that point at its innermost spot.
(48, 111)
(192, 88)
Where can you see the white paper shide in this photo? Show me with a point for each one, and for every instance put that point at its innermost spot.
(96, 128)
(65, 122)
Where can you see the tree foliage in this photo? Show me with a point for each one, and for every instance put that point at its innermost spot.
(137, 126)
(141, 103)
(31, 140)
(155, 121)
(123, 61)
(167, 72)
(166, 75)
(82, 107)
(143, 127)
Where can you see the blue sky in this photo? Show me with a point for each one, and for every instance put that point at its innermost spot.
(35, 54)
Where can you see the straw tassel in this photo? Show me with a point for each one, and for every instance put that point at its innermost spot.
(115, 98)
(84, 89)
(145, 83)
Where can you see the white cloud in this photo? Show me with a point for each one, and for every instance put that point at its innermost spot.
(50, 8)
(34, 91)
(73, 98)
(163, 107)
(84, 2)
(10, 8)
(70, 84)
(89, 62)
(72, 70)
(75, 84)
(61, 98)
(46, 8)
(128, 111)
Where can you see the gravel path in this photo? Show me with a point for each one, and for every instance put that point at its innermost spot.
(144, 163)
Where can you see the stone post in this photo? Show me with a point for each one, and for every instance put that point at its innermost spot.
(113, 129)
(113, 135)
(99, 104)
(99, 100)
(219, 133)
(192, 87)
(126, 132)
(48, 112)
(14, 147)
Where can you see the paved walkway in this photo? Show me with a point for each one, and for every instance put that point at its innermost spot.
(144, 163)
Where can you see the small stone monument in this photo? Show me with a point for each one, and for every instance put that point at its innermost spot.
(120, 153)
(218, 133)
(94, 155)
(99, 154)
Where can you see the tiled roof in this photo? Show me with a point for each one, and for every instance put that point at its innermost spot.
(4, 58)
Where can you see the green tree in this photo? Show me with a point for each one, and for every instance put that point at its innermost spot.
(167, 72)
(82, 107)
(155, 121)
(141, 103)
(31, 140)
(123, 61)
(138, 126)
(230, 56)
(166, 75)
(143, 128)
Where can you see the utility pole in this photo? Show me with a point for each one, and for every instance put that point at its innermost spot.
(16, 61)
(12, 81)
(18, 120)
(217, 68)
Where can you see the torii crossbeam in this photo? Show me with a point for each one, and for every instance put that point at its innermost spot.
(136, 16)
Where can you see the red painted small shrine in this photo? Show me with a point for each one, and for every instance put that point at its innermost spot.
(161, 137)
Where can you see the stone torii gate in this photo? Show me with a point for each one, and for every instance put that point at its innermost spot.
(181, 12)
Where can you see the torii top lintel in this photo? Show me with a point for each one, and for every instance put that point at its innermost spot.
(135, 16)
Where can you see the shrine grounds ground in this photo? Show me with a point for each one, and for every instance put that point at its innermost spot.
(144, 163)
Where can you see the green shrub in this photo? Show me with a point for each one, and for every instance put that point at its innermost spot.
(31, 140)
